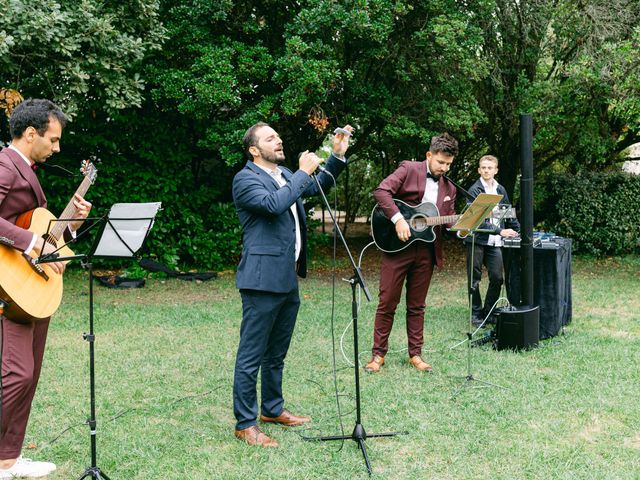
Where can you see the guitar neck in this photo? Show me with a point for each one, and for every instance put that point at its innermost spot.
(442, 220)
(70, 210)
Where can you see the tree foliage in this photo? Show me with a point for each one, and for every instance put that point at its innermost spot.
(79, 53)
(597, 210)
(400, 71)
(574, 66)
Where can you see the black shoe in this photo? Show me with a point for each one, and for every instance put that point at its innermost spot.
(492, 320)
(476, 321)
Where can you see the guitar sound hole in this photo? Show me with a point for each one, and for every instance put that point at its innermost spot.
(418, 223)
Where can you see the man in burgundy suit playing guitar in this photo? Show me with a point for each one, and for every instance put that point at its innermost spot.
(413, 183)
(36, 127)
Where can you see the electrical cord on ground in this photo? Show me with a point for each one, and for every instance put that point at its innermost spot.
(124, 412)
(484, 320)
(348, 326)
(337, 394)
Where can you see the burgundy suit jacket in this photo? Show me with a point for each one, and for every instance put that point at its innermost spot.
(20, 192)
(408, 183)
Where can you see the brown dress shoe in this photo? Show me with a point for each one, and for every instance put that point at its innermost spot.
(420, 364)
(254, 436)
(286, 418)
(374, 364)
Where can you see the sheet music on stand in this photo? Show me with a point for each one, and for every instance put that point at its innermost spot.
(126, 228)
(476, 213)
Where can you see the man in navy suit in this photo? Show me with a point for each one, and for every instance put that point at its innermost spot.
(268, 199)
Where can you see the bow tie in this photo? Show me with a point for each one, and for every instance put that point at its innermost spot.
(433, 177)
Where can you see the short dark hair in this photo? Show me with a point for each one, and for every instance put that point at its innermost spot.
(250, 139)
(444, 143)
(36, 113)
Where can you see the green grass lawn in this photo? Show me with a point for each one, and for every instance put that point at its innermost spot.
(164, 366)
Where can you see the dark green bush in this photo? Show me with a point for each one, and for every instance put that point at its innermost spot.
(599, 211)
(192, 230)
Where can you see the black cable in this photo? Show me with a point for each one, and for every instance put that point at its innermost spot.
(124, 412)
(333, 311)
(335, 369)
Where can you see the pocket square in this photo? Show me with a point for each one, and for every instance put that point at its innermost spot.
(447, 199)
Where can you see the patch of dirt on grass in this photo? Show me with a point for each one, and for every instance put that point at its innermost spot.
(591, 431)
(633, 442)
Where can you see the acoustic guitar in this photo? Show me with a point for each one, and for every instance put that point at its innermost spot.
(32, 290)
(421, 219)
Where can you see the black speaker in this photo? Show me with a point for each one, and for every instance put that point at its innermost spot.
(517, 327)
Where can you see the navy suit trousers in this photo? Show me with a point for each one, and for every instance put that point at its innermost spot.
(268, 320)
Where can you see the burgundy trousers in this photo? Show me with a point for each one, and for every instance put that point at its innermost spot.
(415, 265)
(22, 352)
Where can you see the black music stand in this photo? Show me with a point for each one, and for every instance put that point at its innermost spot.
(468, 224)
(359, 435)
(114, 241)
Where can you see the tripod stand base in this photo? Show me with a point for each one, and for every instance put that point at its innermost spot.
(359, 435)
(94, 472)
(477, 384)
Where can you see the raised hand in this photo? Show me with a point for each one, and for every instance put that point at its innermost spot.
(309, 162)
(341, 142)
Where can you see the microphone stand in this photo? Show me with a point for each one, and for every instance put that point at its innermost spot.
(359, 434)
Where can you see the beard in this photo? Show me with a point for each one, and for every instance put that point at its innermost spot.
(272, 157)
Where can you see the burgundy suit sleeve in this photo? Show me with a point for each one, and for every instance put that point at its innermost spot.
(10, 235)
(388, 188)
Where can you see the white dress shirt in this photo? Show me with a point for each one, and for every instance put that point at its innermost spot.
(494, 240)
(430, 195)
(279, 179)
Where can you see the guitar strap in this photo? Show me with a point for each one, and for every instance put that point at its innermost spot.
(466, 194)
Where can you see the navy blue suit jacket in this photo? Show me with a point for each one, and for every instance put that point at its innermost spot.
(268, 228)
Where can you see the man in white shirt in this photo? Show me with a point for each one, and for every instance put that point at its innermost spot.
(487, 249)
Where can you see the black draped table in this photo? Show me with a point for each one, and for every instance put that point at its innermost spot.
(551, 283)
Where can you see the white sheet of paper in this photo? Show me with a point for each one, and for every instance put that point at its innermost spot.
(132, 221)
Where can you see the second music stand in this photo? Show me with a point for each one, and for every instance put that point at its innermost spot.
(121, 234)
(468, 224)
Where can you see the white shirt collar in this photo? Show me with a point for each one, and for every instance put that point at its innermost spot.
(487, 186)
(274, 173)
(15, 149)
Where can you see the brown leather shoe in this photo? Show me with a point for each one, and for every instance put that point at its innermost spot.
(286, 418)
(420, 364)
(374, 364)
(254, 436)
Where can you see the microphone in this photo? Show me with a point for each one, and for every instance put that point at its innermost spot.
(56, 170)
(324, 170)
(319, 167)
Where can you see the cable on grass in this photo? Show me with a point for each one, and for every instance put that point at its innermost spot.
(128, 410)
